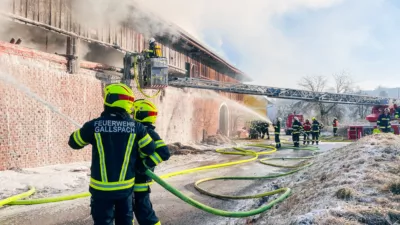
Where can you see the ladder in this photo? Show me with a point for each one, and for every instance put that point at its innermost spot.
(283, 93)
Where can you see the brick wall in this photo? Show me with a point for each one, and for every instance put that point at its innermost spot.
(35, 86)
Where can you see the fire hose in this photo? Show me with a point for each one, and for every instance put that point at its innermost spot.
(16, 199)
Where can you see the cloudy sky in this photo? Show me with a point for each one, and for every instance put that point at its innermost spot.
(278, 42)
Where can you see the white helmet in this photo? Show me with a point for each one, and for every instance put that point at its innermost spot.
(279, 119)
(152, 40)
(295, 118)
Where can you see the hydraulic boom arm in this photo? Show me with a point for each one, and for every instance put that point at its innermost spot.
(274, 92)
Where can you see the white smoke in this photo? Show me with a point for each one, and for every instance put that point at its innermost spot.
(277, 58)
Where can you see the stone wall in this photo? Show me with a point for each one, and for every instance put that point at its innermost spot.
(41, 104)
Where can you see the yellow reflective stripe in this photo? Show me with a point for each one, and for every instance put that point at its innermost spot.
(144, 141)
(100, 149)
(111, 186)
(160, 143)
(142, 155)
(156, 158)
(141, 187)
(127, 157)
(158, 223)
(78, 139)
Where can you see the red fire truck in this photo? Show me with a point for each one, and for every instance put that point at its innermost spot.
(358, 131)
(289, 122)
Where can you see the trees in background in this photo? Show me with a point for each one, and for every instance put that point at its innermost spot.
(340, 83)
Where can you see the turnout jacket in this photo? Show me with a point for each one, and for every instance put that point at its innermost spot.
(160, 154)
(315, 126)
(307, 126)
(335, 123)
(116, 139)
(297, 127)
(384, 121)
(277, 127)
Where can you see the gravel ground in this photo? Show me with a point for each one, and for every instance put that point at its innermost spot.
(73, 178)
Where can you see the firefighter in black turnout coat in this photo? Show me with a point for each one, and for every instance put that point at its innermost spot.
(146, 112)
(116, 140)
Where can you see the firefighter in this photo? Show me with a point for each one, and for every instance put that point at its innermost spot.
(306, 133)
(384, 122)
(315, 130)
(335, 125)
(277, 131)
(397, 112)
(115, 138)
(321, 126)
(297, 128)
(145, 112)
(154, 50)
(253, 131)
(264, 129)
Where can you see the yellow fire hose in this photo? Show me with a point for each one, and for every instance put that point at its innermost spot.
(15, 200)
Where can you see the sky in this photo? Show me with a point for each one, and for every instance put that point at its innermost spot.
(279, 42)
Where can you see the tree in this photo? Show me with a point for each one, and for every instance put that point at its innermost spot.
(361, 111)
(342, 84)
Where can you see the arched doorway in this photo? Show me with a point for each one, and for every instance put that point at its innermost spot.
(224, 120)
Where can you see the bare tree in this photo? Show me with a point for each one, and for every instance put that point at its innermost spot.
(342, 84)
(314, 83)
(285, 109)
(361, 111)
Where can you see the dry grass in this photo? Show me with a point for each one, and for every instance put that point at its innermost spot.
(331, 220)
(360, 179)
(345, 194)
(394, 187)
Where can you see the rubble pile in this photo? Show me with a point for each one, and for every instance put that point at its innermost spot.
(218, 139)
(178, 148)
(355, 184)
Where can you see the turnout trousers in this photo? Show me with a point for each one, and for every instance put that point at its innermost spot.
(104, 213)
(315, 137)
(296, 139)
(144, 212)
(263, 133)
(306, 137)
(335, 131)
(277, 141)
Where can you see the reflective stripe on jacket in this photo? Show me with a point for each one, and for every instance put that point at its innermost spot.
(116, 141)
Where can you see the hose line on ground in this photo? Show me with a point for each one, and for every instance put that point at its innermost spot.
(239, 151)
(159, 179)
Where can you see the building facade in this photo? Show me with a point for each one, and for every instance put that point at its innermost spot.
(45, 99)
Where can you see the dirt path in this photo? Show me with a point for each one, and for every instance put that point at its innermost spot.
(171, 210)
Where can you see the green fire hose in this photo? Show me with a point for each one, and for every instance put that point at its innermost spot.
(285, 192)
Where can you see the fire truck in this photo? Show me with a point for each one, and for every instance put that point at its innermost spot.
(355, 132)
(290, 120)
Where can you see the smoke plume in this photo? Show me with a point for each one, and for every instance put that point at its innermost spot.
(93, 14)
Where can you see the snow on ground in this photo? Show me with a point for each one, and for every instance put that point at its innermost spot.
(48, 181)
(356, 184)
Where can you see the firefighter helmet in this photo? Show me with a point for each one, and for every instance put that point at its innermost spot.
(307, 120)
(387, 110)
(313, 118)
(295, 118)
(279, 119)
(144, 111)
(119, 95)
(152, 40)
